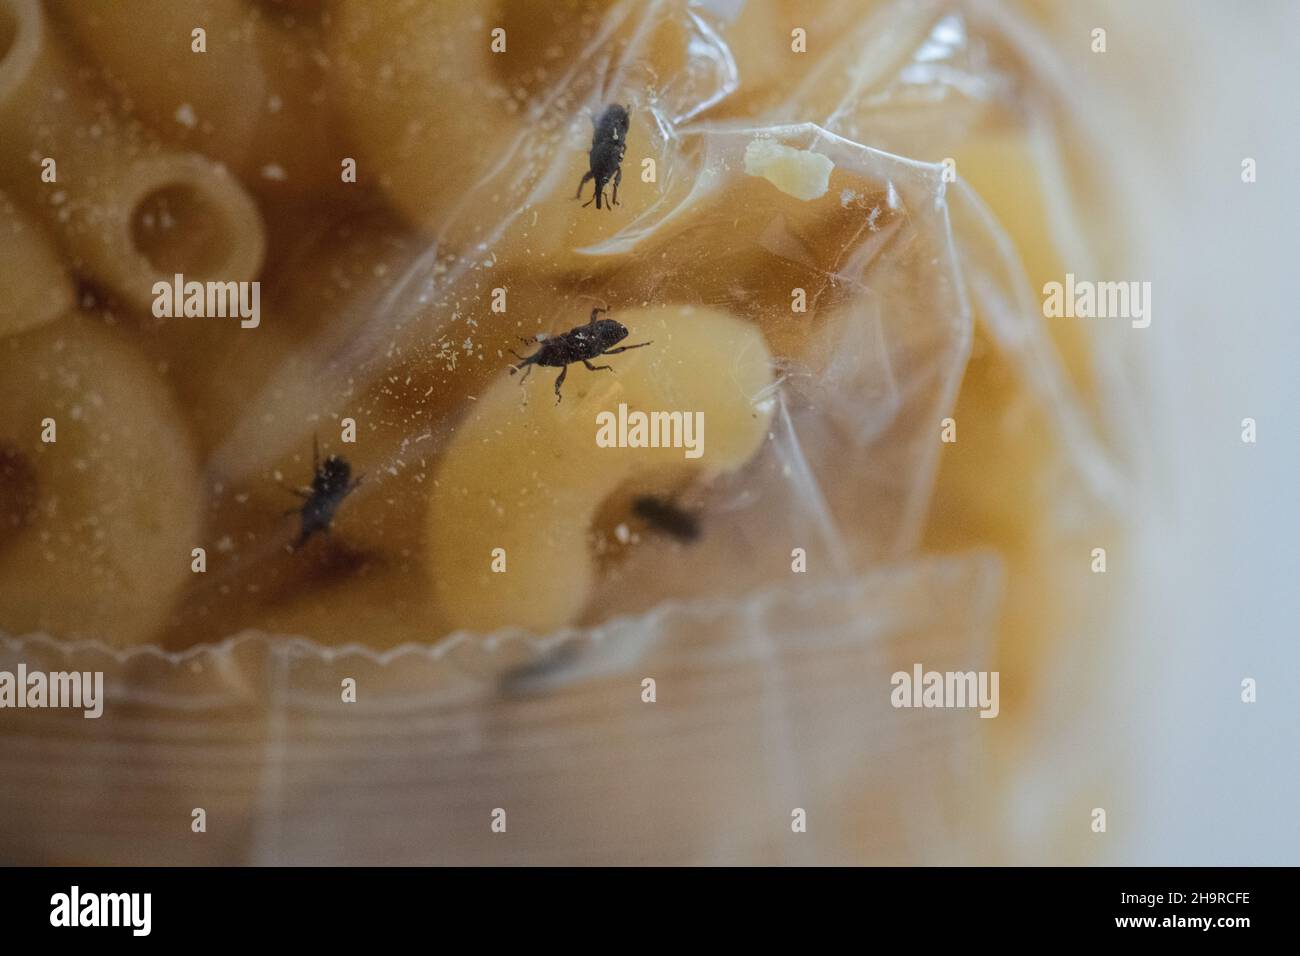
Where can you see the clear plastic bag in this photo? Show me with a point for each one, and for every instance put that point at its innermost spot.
(773, 686)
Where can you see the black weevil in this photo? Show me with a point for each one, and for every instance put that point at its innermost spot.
(331, 482)
(581, 344)
(608, 144)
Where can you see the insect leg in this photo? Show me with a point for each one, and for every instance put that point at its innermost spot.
(558, 382)
(624, 348)
(618, 178)
(524, 363)
(597, 368)
(585, 176)
(595, 312)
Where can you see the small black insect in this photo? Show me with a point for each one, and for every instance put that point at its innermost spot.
(331, 482)
(581, 344)
(608, 144)
(662, 515)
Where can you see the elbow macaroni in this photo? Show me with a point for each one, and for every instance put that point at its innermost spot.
(395, 98)
(34, 286)
(459, 459)
(128, 213)
(103, 517)
(439, 117)
(526, 476)
(249, 100)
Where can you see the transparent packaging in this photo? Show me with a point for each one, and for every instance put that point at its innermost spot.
(892, 299)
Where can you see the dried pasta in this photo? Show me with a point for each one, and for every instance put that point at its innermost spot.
(127, 212)
(433, 114)
(524, 478)
(393, 303)
(35, 287)
(102, 487)
(405, 188)
(250, 100)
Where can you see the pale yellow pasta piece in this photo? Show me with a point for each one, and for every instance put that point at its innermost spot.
(527, 476)
(209, 101)
(380, 608)
(99, 523)
(802, 173)
(216, 370)
(1001, 168)
(434, 113)
(35, 288)
(422, 98)
(127, 213)
(339, 333)
(250, 99)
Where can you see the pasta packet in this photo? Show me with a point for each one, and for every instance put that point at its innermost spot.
(542, 628)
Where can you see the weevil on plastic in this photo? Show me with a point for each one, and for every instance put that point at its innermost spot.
(581, 344)
(331, 482)
(605, 159)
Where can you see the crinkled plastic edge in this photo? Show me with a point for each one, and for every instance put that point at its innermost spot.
(537, 647)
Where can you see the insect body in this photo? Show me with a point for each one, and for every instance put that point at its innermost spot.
(577, 345)
(662, 515)
(331, 482)
(608, 144)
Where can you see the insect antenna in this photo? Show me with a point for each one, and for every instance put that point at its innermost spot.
(300, 492)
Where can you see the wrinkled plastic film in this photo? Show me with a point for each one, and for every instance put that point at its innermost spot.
(762, 710)
(773, 696)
